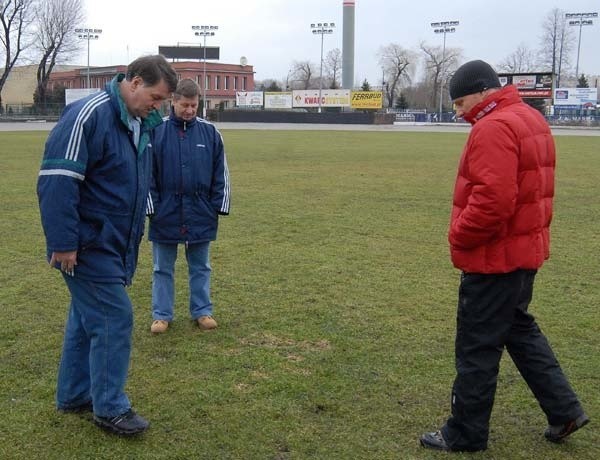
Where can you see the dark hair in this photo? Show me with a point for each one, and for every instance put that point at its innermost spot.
(152, 69)
(186, 88)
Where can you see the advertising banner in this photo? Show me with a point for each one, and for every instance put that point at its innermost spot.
(249, 98)
(366, 100)
(329, 98)
(278, 100)
(579, 97)
(530, 85)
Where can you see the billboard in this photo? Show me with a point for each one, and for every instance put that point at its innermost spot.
(329, 98)
(529, 85)
(249, 98)
(71, 95)
(366, 100)
(189, 52)
(576, 97)
(278, 100)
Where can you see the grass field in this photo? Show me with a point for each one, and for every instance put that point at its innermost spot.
(336, 302)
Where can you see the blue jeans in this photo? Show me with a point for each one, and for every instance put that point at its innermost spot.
(96, 348)
(163, 280)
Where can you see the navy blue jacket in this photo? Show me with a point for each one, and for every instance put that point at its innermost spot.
(190, 181)
(93, 186)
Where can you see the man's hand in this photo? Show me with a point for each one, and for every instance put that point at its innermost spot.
(67, 261)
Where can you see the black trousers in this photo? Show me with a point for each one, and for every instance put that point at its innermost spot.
(492, 315)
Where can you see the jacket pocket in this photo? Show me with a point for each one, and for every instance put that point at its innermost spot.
(165, 210)
(89, 233)
(203, 209)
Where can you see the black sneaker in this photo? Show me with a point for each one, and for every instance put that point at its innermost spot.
(556, 433)
(434, 440)
(80, 409)
(126, 424)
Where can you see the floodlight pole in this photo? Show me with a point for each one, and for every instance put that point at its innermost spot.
(580, 21)
(444, 27)
(321, 29)
(88, 34)
(204, 31)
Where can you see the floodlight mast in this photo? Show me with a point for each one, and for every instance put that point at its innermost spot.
(88, 34)
(579, 20)
(443, 27)
(204, 31)
(322, 29)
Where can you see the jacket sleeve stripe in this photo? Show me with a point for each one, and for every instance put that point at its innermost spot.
(61, 172)
(227, 188)
(149, 205)
(63, 164)
(82, 117)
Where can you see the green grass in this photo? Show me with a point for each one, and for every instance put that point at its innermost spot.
(336, 302)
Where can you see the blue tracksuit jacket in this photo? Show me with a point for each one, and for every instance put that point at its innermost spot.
(190, 181)
(93, 186)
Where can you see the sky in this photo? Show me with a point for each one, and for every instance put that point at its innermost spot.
(272, 34)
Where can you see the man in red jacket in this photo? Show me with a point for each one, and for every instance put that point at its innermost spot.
(499, 237)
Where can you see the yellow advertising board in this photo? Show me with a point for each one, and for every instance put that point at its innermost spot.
(366, 100)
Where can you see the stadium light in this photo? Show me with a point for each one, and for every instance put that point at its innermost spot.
(579, 20)
(204, 31)
(443, 27)
(88, 34)
(322, 29)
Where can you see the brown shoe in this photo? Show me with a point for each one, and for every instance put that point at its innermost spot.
(159, 326)
(206, 323)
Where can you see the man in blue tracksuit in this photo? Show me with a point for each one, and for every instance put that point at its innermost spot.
(190, 190)
(93, 191)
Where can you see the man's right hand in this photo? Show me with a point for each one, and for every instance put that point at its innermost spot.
(67, 261)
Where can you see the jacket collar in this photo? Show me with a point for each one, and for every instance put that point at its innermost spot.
(180, 122)
(113, 88)
(506, 96)
(148, 124)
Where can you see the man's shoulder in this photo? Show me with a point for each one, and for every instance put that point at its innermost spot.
(207, 127)
(85, 108)
(523, 117)
(91, 102)
(205, 124)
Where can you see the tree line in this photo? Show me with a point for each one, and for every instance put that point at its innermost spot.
(414, 77)
(40, 32)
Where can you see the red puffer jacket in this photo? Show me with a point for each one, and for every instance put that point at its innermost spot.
(502, 205)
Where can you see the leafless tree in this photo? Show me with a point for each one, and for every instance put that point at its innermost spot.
(15, 17)
(522, 60)
(439, 65)
(55, 39)
(557, 43)
(418, 94)
(302, 71)
(398, 67)
(333, 65)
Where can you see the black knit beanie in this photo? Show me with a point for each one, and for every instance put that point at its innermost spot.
(471, 78)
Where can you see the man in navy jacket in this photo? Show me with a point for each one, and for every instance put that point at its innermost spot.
(190, 190)
(93, 187)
